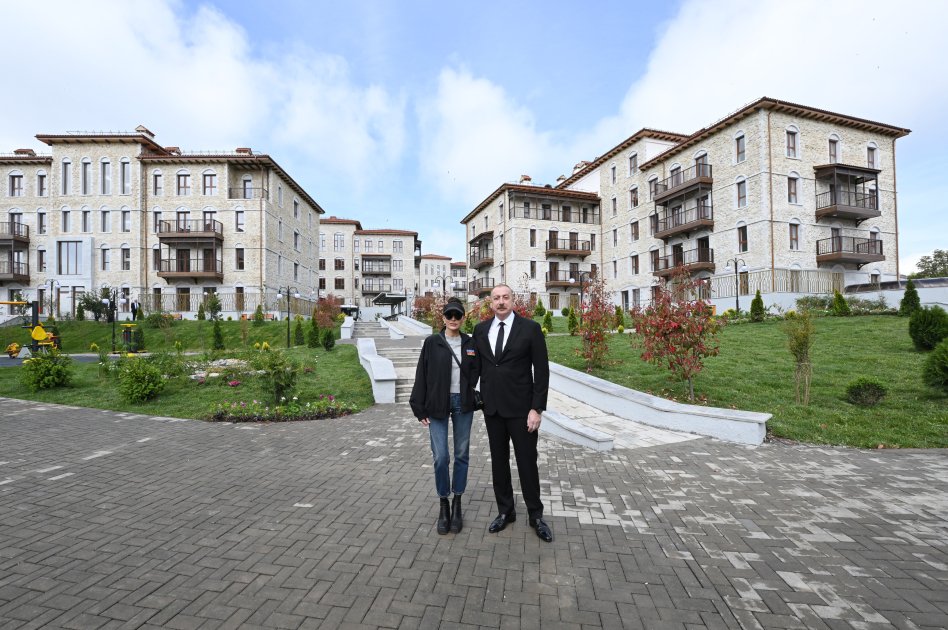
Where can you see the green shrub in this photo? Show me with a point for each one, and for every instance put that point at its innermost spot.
(298, 337)
(258, 315)
(572, 322)
(928, 326)
(213, 306)
(865, 392)
(910, 300)
(202, 315)
(329, 339)
(814, 303)
(620, 317)
(47, 370)
(564, 311)
(138, 338)
(279, 373)
(545, 331)
(139, 380)
(757, 308)
(620, 329)
(548, 320)
(159, 320)
(218, 343)
(468, 326)
(168, 364)
(80, 313)
(840, 306)
(540, 310)
(935, 371)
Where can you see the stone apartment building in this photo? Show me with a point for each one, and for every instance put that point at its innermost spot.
(781, 197)
(459, 279)
(388, 262)
(434, 274)
(159, 226)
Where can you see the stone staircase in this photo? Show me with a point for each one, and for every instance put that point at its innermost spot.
(403, 354)
(373, 330)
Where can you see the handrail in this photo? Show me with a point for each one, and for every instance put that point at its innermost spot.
(185, 265)
(681, 178)
(846, 198)
(701, 212)
(190, 225)
(690, 257)
(848, 245)
(568, 243)
(575, 215)
(15, 268)
(480, 284)
(14, 228)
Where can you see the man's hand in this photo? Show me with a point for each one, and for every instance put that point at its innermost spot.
(533, 421)
(424, 421)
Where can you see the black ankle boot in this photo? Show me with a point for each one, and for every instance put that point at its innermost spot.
(444, 519)
(456, 521)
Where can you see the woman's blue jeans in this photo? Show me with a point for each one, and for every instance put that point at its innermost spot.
(438, 431)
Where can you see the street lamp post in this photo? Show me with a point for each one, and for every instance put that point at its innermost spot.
(583, 276)
(443, 279)
(737, 285)
(111, 304)
(290, 291)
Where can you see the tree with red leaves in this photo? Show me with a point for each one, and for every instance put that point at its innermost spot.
(677, 329)
(596, 318)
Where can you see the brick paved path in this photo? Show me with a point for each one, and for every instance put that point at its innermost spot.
(117, 520)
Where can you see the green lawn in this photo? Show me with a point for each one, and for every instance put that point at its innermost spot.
(336, 372)
(193, 335)
(754, 371)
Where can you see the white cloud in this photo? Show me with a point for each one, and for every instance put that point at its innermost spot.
(474, 137)
(195, 80)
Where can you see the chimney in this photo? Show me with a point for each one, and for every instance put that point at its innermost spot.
(173, 150)
(525, 179)
(561, 178)
(27, 152)
(142, 129)
(580, 166)
(243, 151)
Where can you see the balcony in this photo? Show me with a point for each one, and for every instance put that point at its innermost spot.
(374, 268)
(191, 268)
(248, 193)
(684, 221)
(375, 256)
(692, 261)
(589, 216)
(487, 235)
(190, 230)
(483, 258)
(848, 249)
(375, 287)
(480, 286)
(12, 271)
(12, 232)
(568, 247)
(846, 204)
(696, 178)
(559, 279)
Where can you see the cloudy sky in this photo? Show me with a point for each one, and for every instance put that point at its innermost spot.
(408, 113)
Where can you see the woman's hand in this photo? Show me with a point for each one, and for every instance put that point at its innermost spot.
(424, 421)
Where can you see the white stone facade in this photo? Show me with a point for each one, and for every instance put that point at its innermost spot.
(800, 214)
(433, 273)
(161, 227)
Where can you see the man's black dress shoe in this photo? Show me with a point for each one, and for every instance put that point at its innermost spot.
(501, 522)
(543, 530)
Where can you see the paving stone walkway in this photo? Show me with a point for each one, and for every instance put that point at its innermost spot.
(111, 520)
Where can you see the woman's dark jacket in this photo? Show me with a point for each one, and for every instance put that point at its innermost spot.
(431, 393)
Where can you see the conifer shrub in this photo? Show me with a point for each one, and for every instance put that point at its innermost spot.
(928, 326)
(910, 300)
(548, 320)
(258, 315)
(865, 392)
(329, 339)
(935, 371)
(757, 308)
(840, 307)
(218, 341)
(540, 310)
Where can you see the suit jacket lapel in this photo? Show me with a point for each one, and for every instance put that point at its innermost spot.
(512, 333)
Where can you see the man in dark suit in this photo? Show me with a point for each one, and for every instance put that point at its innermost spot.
(515, 375)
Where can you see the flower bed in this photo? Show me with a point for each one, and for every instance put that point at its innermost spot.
(288, 410)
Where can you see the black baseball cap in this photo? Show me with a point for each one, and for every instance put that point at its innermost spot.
(454, 307)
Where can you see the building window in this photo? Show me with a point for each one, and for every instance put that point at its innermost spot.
(740, 149)
(42, 185)
(533, 238)
(381, 246)
(16, 185)
(125, 177)
(634, 198)
(105, 177)
(791, 143)
(157, 187)
(296, 209)
(633, 163)
(615, 206)
(68, 258)
(635, 264)
(742, 194)
(615, 269)
(322, 286)
(742, 238)
(398, 247)
(64, 221)
(533, 269)
(85, 177)
(340, 284)
(635, 231)
(555, 301)
(183, 184)
(41, 260)
(296, 272)
(104, 258)
(794, 236)
(653, 223)
(340, 264)
(105, 221)
(280, 195)
(86, 220)
(338, 242)
(239, 258)
(67, 177)
(126, 220)
(322, 264)
(41, 223)
(280, 230)
(296, 241)
(833, 151)
(592, 242)
(791, 190)
(613, 169)
(871, 157)
(615, 238)
(652, 184)
(239, 221)
(209, 183)
(126, 259)
(156, 259)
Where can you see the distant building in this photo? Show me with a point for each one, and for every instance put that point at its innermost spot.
(434, 275)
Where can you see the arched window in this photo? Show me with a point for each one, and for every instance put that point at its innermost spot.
(835, 150)
(793, 142)
(633, 160)
(209, 182)
(795, 234)
(793, 188)
(183, 183)
(66, 176)
(104, 258)
(125, 176)
(740, 192)
(105, 176)
(85, 177)
(157, 183)
(42, 183)
(872, 155)
(740, 147)
(15, 187)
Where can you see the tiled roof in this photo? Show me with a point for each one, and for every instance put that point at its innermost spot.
(385, 232)
(540, 191)
(645, 132)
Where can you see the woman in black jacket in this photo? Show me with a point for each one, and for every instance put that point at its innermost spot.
(443, 391)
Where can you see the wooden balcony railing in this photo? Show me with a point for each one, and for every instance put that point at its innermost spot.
(849, 249)
(368, 268)
(482, 258)
(481, 285)
(672, 223)
(191, 228)
(700, 259)
(589, 216)
(568, 247)
(683, 180)
(563, 278)
(848, 204)
(376, 287)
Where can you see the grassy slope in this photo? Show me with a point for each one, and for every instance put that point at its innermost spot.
(754, 371)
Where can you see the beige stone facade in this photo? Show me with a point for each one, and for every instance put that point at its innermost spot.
(459, 280)
(161, 227)
(798, 199)
(388, 263)
(434, 274)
